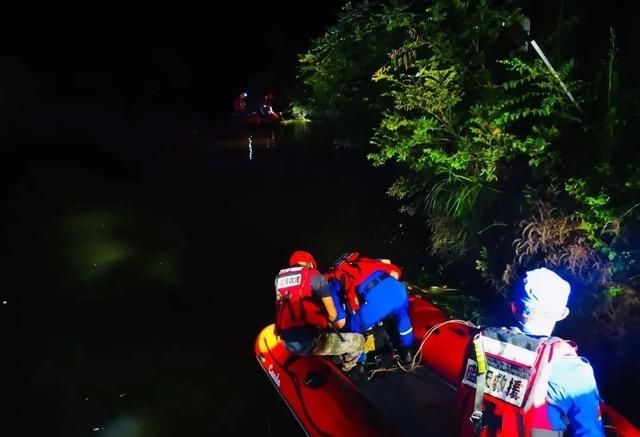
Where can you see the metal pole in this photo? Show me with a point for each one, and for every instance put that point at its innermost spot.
(555, 74)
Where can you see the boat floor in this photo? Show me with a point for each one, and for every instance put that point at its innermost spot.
(417, 403)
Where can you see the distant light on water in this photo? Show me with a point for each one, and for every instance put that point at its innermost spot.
(250, 149)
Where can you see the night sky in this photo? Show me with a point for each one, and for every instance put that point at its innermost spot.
(195, 56)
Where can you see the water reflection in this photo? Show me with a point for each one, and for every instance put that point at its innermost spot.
(145, 254)
(122, 427)
(300, 127)
(102, 244)
(267, 137)
(272, 140)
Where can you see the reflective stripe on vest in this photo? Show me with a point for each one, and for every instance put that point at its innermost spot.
(505, 379)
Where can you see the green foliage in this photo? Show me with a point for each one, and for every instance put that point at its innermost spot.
(456, 125)
(492, 153)
(429, 127)
(598, 218)
(612, 121)
(456, 303)
(603, 225)
(613, 291)
(300, 112)
(336, 70)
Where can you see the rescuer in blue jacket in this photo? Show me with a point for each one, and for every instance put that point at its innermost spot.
(373, 294)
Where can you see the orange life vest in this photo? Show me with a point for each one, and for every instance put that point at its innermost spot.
(513, 370)
(296, 305)
(352, 270)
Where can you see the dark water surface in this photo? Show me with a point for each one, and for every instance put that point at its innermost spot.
(138, 271)
(138, 260)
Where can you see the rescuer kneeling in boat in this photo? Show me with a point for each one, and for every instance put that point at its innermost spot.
(373, 293)
(307, 317)
(520, 381)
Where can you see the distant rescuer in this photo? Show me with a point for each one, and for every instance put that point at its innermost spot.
(240, 103)
(529, 383)
(307, 319)
(266, 107)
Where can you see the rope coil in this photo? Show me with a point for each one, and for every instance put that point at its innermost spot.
(417, 358)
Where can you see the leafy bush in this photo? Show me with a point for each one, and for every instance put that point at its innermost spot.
(510, 165)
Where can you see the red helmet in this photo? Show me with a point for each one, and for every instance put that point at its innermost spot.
(300, 256)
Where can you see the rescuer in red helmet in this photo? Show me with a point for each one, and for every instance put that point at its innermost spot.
(307, 318)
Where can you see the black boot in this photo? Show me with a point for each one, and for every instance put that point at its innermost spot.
(406, 355)
(359, 374)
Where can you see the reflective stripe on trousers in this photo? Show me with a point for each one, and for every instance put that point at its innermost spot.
(546, 433)
(387, 299)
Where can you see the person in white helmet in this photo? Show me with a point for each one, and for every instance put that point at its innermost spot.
(521, 381)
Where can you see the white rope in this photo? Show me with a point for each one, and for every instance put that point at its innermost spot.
(417, 358)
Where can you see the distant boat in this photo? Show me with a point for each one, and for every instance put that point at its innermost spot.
(254, 119)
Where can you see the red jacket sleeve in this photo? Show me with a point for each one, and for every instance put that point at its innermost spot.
(388, 268)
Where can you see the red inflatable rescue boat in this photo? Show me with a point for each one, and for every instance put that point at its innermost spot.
(326, 402)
